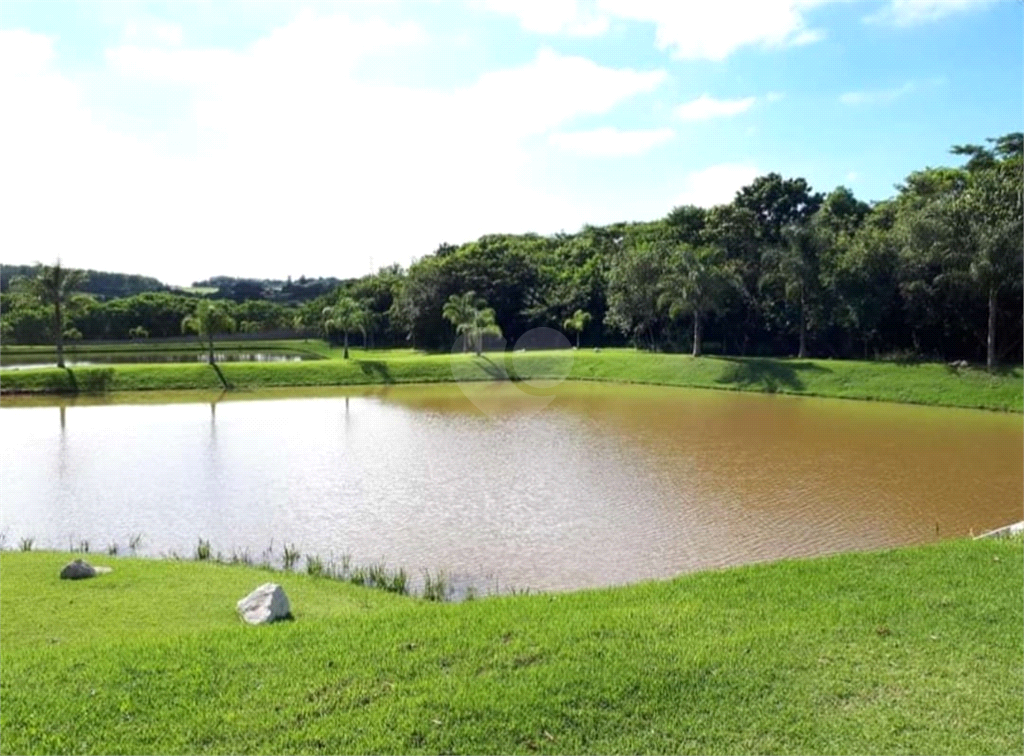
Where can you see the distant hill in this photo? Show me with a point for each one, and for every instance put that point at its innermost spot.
(104, 286)
(288, 291)
(101, 284)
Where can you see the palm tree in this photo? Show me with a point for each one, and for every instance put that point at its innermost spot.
(54, 286)
(471, 316)
(347, 315)
(459, 311)
(483, 323)
(578, 323)
(698, 282)
(208, 319)
(299, 324)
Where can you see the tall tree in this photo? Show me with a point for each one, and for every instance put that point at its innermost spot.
(783, 209)
(698, 282)
(53, 286)
(210, 318)
(861, 272)
(794, 267)
(735, 230)
(686, 224)
(982, 236)
(345, 316)
(633, 291)
(577, 323)
(1005, 147)
(841, 212)
(778, 203)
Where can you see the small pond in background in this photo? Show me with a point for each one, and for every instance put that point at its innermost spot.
(22, 362)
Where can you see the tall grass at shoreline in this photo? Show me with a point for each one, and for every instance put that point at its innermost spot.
(377, 575)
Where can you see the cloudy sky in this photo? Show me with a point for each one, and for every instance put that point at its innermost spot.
(193, 138)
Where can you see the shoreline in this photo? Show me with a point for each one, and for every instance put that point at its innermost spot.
(927, 384)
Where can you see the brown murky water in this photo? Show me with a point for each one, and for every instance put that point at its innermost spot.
(603, 485)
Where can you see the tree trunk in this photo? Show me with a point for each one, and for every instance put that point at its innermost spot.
(478, 343)
(211, 349)
(803, 327)
(345, 354)
(577, 339)
(696, 334)
(990, 359)
(58, 322)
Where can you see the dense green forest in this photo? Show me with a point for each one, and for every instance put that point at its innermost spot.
(935, 272)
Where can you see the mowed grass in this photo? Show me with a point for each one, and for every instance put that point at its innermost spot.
(915, 650)
(928, 383)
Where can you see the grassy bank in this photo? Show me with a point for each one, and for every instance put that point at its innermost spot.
(85, 349)
(914, 650)
(933, 384)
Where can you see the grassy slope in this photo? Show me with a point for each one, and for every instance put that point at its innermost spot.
(922, 384)
(914, 651)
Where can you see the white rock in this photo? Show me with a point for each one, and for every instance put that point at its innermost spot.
(77, 570)
(1006, 531)
(266, 604)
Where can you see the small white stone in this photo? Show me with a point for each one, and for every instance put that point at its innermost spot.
(265, 604)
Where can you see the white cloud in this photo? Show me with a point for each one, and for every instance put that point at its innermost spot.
(551, 90)
(774, 96)
(852, 176)
(877, 96)
(687, 29)
(714, 30)
(610, 142)
(23, 53)
(716, 185)
(152, 31)
(705, 107)
(282, 161)
(913, 12)
(570, 17)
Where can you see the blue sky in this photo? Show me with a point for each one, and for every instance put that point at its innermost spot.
(192, 138)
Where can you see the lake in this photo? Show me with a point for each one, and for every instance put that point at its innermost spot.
(604, 485)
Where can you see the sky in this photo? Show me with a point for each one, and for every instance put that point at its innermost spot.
(275, 138)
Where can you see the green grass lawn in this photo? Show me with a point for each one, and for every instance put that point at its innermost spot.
(915, 650)
(926, 383)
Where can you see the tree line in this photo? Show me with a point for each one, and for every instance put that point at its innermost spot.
(934, 272)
